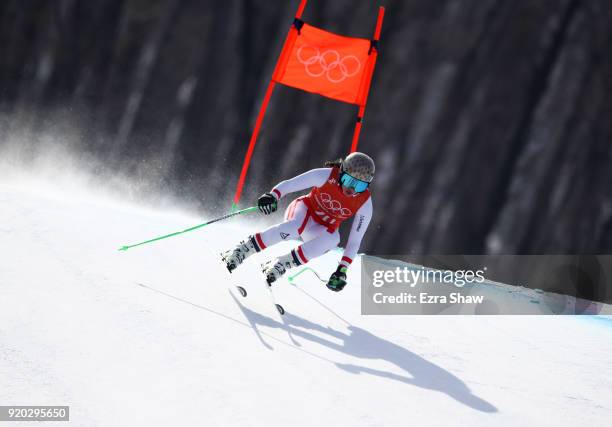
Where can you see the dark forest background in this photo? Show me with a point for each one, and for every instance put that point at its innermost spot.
(490, 120)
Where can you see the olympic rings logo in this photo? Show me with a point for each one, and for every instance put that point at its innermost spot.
(328, 63)
(334, 205)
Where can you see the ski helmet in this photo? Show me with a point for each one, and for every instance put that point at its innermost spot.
(360, 166)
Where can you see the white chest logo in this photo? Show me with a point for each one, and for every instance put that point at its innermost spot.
(334, 206)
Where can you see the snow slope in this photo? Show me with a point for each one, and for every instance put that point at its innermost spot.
(152, 336)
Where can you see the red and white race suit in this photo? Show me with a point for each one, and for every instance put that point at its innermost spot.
(315, 218)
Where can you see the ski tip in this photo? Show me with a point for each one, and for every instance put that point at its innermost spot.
(123, 248)
(280, 309)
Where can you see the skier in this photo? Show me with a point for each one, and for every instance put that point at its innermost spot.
(339, 192)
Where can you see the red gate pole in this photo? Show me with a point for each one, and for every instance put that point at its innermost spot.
(357, 130)
(252, 142)
(260, 117)
(373, 51)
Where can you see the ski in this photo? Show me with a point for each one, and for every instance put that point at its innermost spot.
(279, 307)
(243, 292)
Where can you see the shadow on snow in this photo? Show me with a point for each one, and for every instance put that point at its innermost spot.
(359, 343)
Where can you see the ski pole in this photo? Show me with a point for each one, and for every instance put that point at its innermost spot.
(305, 269)
(229, 215)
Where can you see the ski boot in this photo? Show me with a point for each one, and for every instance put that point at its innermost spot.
(275, 269)
(234, 257)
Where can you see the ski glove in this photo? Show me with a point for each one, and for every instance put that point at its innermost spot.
(267, 203)
(337, 281)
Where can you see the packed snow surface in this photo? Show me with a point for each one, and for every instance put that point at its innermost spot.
(154, 335)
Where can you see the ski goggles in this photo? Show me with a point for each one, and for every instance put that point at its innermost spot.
(351, 182)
